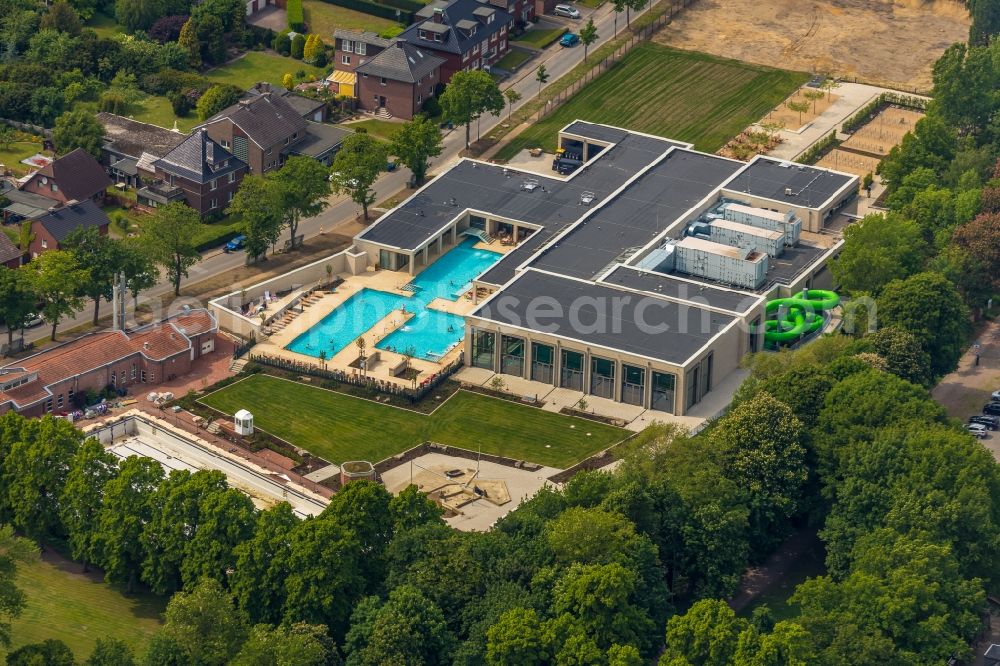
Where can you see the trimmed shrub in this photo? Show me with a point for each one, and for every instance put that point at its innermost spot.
(282, 43)
(298, 46)
(296, 17)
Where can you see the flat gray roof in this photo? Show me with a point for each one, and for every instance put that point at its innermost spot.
(498, 191)
(770, 178)
(597, 314)
(597, 132)
(637, 215)
(691, 289)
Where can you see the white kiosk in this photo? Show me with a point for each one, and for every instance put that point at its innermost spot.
(244, 423)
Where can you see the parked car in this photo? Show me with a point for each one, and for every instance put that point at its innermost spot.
(568, 11)
(995, 396)
(236, 243)
(977, 430)
(991, 422)
(33, 320)
(992, 409)
(569, 39)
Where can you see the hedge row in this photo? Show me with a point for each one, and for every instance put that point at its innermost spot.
(377, 9)
(296, 17)
(872, 108)
(816, 151)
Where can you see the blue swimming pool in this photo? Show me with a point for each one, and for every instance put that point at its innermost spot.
(430, 333)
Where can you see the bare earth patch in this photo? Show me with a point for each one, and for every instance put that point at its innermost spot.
(887, 42)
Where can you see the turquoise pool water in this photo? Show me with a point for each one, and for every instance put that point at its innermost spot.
(431, 333)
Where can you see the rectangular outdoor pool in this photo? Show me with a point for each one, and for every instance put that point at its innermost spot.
(429, 334)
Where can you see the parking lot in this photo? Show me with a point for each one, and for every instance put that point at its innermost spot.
(964, 392)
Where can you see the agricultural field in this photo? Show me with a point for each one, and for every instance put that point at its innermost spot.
(677, 94)
(78, 608)
(340, 427)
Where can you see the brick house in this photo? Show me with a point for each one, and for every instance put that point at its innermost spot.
(310, 109)
(131, 146)
(75, 176)
(55, 381)
(48, 231)
(199, 172)
(10, 254)
(468, 34)
(398, 79)
(264, 129)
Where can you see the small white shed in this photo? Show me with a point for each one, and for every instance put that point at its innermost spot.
(244, 423)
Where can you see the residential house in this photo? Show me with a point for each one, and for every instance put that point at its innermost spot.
(399, 80)
(310, 109)
(10, 254)
(199, 172)
(24, 205)
(48, 231)
(57, 380)
(130, 147)
(262, 130)
(468, 34)
(75, 176)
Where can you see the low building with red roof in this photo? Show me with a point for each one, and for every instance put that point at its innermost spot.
(57, 379)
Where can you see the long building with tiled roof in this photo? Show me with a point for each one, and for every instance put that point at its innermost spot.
(57, 380)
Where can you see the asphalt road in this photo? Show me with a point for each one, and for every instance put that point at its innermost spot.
(558, 61)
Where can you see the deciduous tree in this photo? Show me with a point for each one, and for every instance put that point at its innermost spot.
(704, 636)
(100, 256)
(407, 628)
(169, 233)
(414, 144)
(258, 204)
(469, 95)
(14, 550)
(588, 35)
(258, 579)
(17, 300)
(205, 624)
(299, 644)
(356, 167)
(303, 189)
(80, 502)
(78, 129)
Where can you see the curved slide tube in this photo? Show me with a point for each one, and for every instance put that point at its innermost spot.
(797, 316)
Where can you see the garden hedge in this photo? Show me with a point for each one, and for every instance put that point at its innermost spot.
(296, 17)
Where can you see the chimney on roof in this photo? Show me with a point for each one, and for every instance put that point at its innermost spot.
(439, 15)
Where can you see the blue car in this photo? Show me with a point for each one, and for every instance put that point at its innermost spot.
(236, 243)
(569, 39)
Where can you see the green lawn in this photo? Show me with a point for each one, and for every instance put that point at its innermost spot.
(380, 129)
(677, 94)
(11, 157)
(540, 38)
(340, 427)
(255, 66)
(260, 66)
(79, 608)
(157, 110)
(514, 59)
(104, 25)
(323, 18)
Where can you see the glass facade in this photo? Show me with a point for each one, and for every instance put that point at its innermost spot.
(633, 385)
(511, 355)
(663, 392)
(542, 362)
(483, 349)
(602, 377)
(571, 370)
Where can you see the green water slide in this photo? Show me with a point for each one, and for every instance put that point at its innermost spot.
(788, 319)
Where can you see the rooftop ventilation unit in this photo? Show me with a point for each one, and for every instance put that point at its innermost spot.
(788, 192)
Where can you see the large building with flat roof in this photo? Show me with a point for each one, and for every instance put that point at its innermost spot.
(619, 285)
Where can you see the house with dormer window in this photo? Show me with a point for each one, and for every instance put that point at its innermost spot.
(199, 172)
(467, 34)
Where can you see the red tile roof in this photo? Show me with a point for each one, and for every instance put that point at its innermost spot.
(156, 342)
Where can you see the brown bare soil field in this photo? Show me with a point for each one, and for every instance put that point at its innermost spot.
(886, 42)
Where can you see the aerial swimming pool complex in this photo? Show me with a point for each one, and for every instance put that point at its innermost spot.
(642, 277)
(427, 333)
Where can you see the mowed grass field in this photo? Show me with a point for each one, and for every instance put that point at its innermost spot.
(340, 427)
(677, 94)
(78, 608)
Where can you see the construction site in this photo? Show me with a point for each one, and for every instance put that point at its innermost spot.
(884, 42)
